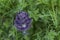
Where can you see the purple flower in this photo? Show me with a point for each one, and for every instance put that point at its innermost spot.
(22, 21)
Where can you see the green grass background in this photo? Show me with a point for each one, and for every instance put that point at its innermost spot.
(45, 24)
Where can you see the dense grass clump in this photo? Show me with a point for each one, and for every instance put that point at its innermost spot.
(45, 16)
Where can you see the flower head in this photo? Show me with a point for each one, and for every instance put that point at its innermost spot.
(22, 21)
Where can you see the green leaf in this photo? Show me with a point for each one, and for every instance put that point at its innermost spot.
(50, 35)
(34, 14)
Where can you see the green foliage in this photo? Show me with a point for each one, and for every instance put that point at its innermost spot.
(45, 23)
(50, 35)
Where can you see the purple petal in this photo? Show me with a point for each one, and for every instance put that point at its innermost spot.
(22, 21)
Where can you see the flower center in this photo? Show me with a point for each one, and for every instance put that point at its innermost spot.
(23, 25)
